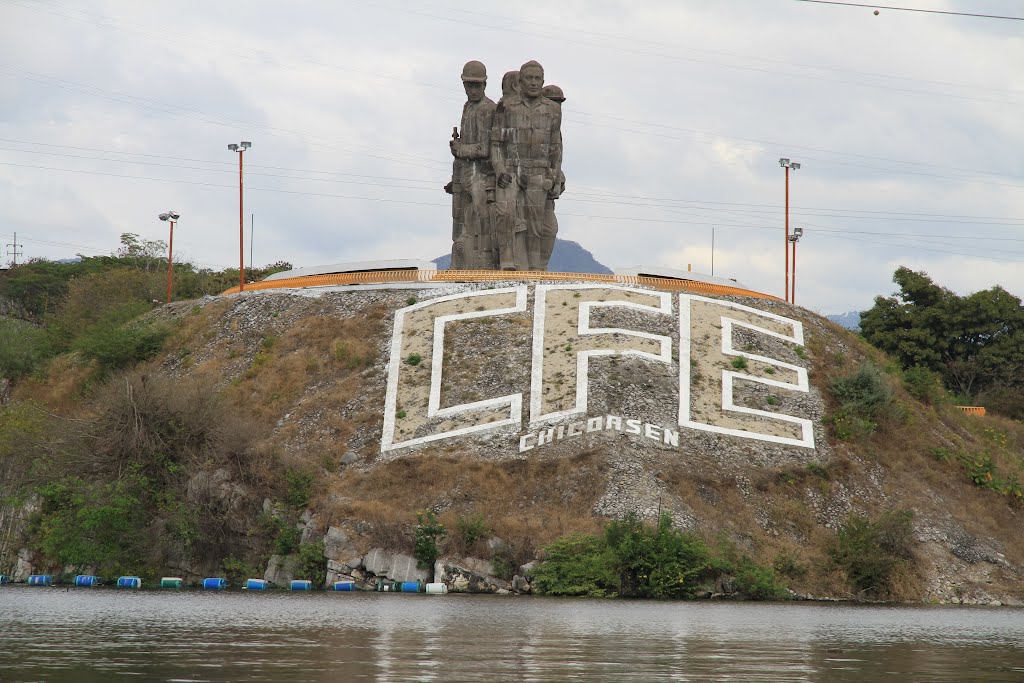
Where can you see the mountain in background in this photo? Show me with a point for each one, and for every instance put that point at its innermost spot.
(850, 320)
(568, 257)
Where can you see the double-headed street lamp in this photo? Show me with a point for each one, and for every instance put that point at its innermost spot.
(172, 217)
(240, 148)
(794, 238)
(787, 164)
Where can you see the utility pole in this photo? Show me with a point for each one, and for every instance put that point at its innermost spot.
(14, 253)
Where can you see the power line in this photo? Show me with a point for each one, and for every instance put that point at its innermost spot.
(912, 9)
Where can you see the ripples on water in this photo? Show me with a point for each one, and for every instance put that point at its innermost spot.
(85, 635)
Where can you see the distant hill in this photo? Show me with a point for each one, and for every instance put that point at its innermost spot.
(568, 257)
(850, 320)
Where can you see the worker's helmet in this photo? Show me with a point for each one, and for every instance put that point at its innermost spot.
(474, 71)
(553, 92)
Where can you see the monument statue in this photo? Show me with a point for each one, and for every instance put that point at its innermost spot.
(526, 155)
(550, 231)
(472, 184)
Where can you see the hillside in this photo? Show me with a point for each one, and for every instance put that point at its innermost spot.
(286, 420)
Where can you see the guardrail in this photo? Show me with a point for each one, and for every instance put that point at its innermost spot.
(972, 410)
(397, 276)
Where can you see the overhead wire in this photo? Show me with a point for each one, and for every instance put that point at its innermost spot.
(913, 9)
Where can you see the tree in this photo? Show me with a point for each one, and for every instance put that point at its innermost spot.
(974, 342)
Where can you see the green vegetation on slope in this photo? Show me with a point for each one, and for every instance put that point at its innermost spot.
(974, 342)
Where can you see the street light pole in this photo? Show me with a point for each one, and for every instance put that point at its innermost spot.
(172, 217)
(712, 250)
(787, 164)
(794, 238)
(240, 148)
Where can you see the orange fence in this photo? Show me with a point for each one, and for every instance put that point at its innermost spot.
(972, 410)
(394, 276)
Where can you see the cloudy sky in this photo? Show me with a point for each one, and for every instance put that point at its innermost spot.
(909, 127)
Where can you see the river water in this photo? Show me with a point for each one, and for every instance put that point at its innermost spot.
(104, 634)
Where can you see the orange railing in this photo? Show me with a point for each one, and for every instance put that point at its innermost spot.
(388, 276)
(972, 410)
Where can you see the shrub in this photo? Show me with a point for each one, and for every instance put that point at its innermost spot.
(576, 565)
(428, 531)
(236, 571)
(870, 550)
(863, 392)
(311, 563)
(93, 525)
(23, 346)
(300, 485)
(924, 385)
(739, 362)
(414, 359)
(630, 559)
(471, 529)
(115, 344)
(757, 582)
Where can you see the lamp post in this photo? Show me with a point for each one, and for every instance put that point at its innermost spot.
(172, 217)
(240, 148)
(787, 164)
(794, 238)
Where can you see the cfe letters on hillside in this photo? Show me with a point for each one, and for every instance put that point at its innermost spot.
(730, 369)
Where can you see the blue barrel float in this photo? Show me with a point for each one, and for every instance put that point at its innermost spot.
(129, 582)
(83, 580)
(40, 580)
(411, 587)
(256, 584)
(4, 579)
(301, 585)
(172, 582)
(215, 584)
(344, 585)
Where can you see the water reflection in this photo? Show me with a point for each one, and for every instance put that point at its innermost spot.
(49, 634)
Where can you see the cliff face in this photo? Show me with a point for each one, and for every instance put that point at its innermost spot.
(535, 411)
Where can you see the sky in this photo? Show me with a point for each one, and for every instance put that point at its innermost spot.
(909, 127)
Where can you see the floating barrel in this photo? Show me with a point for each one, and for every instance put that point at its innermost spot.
(87, 580)
(4, 579)
(439, 588)
(344, 585)
(411, 587)
(215, 584)
(129, 582)
(301, 585)
(172, 582)
(40, 580)
(256, 584)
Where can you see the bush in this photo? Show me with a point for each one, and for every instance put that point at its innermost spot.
(924, 385)
(579, 564)
(428, 531)
(864, 392)
(757, 582)
(237, 571)
(869, 551)
(94, 525)
(300, 485)
(114, 344)
(311, 563)
(23, 346)
(471, 530)
(630, 559)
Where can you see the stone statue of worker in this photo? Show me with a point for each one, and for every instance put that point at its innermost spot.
(472, 185)
(526, 153)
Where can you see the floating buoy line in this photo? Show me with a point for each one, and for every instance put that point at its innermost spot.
(221, 584)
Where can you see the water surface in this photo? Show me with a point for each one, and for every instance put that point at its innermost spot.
(103, 634)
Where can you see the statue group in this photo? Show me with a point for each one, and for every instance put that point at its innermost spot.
(507, 172)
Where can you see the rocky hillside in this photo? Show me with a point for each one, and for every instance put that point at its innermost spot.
(318, 423)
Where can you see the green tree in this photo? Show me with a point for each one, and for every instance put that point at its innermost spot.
(974, 342)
